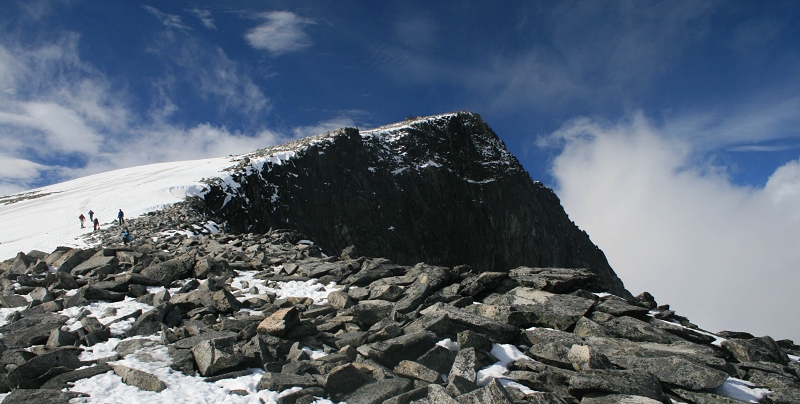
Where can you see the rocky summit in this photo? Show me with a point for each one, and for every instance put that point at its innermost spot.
(207, 293)
(442, 190)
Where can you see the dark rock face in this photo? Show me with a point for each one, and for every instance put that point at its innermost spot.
(442, 190)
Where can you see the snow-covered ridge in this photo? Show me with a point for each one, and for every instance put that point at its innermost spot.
(398, 147)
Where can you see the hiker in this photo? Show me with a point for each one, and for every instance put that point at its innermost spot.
(96, 224)
(83, 220)
(126, 237)
(91, 216)
(121, 217)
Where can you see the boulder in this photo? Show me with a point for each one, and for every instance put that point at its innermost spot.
(280, 322)
(36, 396)
(617, 382)
(394, 350)
(215, 355)
(139, 378)
(379, 392)
(756, 349)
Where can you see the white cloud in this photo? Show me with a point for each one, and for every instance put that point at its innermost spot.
(16, 169)
(205, 17)
(282, 32)
(169, 20)
(325, 126)
(724, 255)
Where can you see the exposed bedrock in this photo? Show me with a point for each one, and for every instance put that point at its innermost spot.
(442, 190)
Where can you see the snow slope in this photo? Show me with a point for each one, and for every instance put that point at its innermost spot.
(48, 217)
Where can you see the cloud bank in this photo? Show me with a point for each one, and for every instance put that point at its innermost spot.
(673, 224)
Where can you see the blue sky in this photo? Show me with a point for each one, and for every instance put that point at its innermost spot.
(632, 111)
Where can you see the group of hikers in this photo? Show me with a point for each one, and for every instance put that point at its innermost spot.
(126, 236)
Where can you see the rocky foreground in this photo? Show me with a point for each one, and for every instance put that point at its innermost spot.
(387, 333)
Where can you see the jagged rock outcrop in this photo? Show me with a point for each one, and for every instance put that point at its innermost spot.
(442, 190)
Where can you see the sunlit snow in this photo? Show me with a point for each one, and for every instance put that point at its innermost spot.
(49, 218)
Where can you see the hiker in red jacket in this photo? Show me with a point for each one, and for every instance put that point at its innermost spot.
(96, 224)
(83, 220)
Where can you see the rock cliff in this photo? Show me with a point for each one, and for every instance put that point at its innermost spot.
(442, 190)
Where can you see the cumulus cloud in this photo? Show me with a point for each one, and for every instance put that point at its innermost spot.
(673, 224)
(281, 32)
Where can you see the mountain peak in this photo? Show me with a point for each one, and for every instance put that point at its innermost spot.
(441, 189)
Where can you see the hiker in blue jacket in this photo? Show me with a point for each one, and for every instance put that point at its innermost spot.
(126, 237)
(121, 217)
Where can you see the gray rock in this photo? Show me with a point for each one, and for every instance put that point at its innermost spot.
(477, 284)
(584, 358)
(215, 355)
(72, 258)
(369, 312)
(555, 353)
(756, 349)
(617, 382)
(59, 338)
(63, 380)
(676, 371)
(463, 374)
(129, 346)
(280, 322)
(339, 300)
(36, 396)
(380, 391)
(32, 329)
(618, 307)
(168, 271)
(417, 371)
(405, 347)
(555, 280)
(12, 301)
(704, 397)
(438, 358)
(139, 378)
(784, 395)
(772, 380)
(386, 292)
(39, 365)
(281, 381)
(682, 332)
(472, 339)
(588, 328)
(439, 395)
(637, 330)
(188, 343)
(463, 320)
(547, 309)
(619, 399)
(494, 393)
(147, 324)
(182, 360)
(344, 379)
(95, 265)
(414, 296)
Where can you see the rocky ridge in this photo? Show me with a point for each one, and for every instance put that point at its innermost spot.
(382, 332)
(442, 189)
